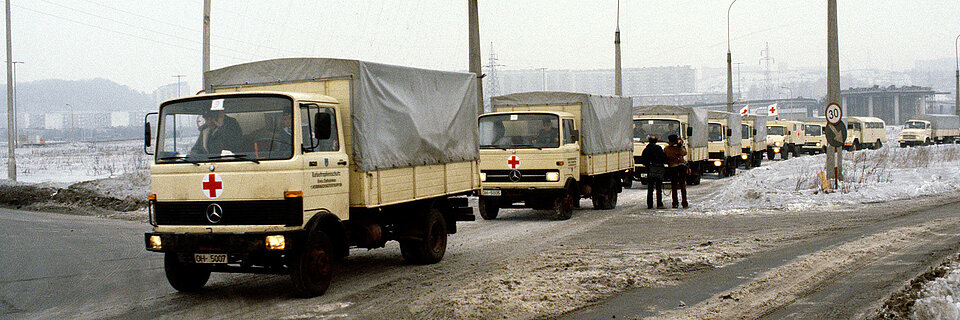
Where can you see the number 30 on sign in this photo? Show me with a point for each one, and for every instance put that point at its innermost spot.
(833, 113)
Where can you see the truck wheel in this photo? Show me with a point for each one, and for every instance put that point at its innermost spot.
(310, 267)
(431, 248)
(757, 160)
(879, 144)
(184, 276)
(927, 143)
(796, 151)
(488, 208)
(733, 169)
(563, 206)
(784, 154)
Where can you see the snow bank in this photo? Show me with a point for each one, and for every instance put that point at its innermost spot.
(890, 173)
(940, 298)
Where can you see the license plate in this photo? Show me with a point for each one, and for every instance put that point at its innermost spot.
(210, 258)
(490, 192)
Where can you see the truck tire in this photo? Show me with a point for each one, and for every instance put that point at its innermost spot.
(311, 266)
(431, 248)
(488, 208)
(927, 143)
(563, 206)
(784, 153)
(733, 169)
(184, 276)
(796, 151)
(770, 155)
(878, 145)
(605, 195)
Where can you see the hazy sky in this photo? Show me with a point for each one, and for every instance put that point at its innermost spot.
(145, 43)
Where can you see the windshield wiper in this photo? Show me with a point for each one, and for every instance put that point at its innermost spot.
(237, 156)
(180, 158)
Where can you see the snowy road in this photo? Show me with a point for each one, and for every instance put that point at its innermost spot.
(522, 265)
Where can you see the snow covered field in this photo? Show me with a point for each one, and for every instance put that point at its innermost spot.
(68, 163)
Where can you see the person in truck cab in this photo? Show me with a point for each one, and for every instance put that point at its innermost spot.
(548, 136)
(218, 132)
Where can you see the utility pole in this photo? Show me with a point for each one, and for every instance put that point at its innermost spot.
(729, 64)
(206, 42)
(543, 79)
(178, 83)
(739, 81)
(956, 102)
(834, 165)
(16, 124)
(618, 86)
(11, 116)
(474, 38)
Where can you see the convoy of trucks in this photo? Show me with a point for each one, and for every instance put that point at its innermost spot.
(546, 150)
(929, 129)
(784, 138)
(286, 164)
(282, 166)
(689, 124)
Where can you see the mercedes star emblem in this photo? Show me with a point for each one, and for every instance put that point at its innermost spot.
(514, 176)
(214, 213)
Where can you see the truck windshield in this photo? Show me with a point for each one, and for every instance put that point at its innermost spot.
(776, 130)
(914, 125)
(715, 132)
(745, 131)
(515, 131)
(247, 128)
(812, 130)
(662, 129)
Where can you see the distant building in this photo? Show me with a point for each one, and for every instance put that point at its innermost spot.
(892, 104)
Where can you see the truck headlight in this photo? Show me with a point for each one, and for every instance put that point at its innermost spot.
(743, 156)
(155, 242)
(483, 176)
(553, 176)
(717, 163)
(276, 242)
(776, 150)
(777, 143)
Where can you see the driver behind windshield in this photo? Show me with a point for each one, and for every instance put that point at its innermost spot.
(218, 132)
(548, 135)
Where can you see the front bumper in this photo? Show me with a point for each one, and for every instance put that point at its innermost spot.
(233, 243)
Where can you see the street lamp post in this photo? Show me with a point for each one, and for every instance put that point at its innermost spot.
(956, 102)
(729, 62)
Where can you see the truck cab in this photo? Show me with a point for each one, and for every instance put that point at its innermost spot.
(721, 157)
(660, 126)
(865, 132)
(783, 138)
(746, 145)
(916, 132)
(814, 138)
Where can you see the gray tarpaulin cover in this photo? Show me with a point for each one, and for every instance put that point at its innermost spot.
(696, 117)
(760, 125)
(401, 116)
(606, 127)
(940, 121)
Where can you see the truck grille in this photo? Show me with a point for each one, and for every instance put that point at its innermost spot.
(262, 212)
(909, 137)
(810, 144)
(745, 150)
(716, 155)
(525, 175)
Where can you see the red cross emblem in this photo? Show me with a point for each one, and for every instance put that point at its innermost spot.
(513, 162)
(212, 186)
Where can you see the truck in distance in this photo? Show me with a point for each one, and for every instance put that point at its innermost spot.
(723, 143)
(546, 150)
(753, 131)
(928, 129)
(687, 123)
(865, 132)
(284, 177)
(784, 138)
(814, 137)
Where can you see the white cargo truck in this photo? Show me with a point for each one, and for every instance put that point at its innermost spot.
(689, 124)
(723, 143)
(286, 164)
(546, 150)
(927, 129)
(753, 131)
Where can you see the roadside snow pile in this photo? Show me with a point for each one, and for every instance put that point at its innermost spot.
(940, 298)
(890, 173)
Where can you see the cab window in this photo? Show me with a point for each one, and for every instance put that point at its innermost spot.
(568, 131)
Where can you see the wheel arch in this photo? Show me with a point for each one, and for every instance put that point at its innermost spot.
(331, 225)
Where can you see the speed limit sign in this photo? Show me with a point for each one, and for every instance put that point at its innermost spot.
(833, 113)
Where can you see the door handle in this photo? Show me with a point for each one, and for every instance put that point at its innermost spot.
(342, 162)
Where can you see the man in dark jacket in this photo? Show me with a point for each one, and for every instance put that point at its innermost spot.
(218, 133)
(654, 159)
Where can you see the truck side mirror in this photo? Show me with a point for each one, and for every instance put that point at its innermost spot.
(754, 131)
(689, 131)
(146, 133)
(729, 132)
(322, 122)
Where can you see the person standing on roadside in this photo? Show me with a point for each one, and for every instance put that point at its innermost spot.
(677, 169)
(654, 159)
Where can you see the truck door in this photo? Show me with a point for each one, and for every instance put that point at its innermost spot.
(325, 165)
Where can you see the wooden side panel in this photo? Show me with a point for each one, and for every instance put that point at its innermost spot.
(392, 186)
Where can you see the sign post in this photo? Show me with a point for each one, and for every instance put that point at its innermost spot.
(834, 165)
